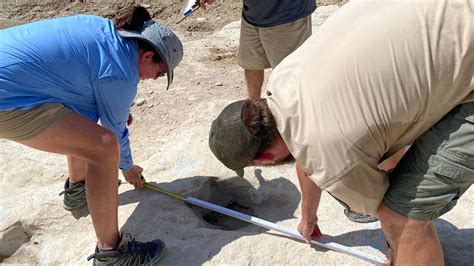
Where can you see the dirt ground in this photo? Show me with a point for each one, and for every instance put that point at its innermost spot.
(220, 13)
(169, 140)
(167, 11)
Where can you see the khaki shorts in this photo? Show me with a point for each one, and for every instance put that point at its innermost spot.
(265, 47)
(20, 125)
(437, 169)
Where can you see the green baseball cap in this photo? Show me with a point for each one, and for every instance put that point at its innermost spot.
(230, 141)
(163, 39)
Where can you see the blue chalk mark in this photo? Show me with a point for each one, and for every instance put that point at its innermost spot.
(185, 168)
(2, 215)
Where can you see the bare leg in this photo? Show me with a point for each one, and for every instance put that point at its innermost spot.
(413, 242)
(254, 80)
(77, 169)
(389, 164)
(98, 148)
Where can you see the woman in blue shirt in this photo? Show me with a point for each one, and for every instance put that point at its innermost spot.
(58, 79)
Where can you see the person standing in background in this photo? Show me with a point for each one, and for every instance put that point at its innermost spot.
(270, 31)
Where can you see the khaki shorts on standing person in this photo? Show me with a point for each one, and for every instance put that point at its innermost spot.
(18, 125)
(437, 169)
(265, 47)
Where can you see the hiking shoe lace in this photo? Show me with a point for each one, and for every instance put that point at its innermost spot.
(74, 195)
(130, 252)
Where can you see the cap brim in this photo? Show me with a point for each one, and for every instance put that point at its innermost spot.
(137, 35)
(169, 74)
(240, 172)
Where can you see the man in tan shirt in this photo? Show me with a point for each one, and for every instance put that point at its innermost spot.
(375, 78)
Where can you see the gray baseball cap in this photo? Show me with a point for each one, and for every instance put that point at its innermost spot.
(163, 39)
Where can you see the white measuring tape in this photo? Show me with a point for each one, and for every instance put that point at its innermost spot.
(290, 232)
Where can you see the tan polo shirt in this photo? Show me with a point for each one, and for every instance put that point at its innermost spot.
(374, 77)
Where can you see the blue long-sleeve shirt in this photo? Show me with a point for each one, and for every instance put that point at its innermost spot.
(78, 61)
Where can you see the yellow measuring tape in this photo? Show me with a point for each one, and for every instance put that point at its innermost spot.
(161, 190)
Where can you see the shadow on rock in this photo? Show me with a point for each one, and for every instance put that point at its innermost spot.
(458, 244)
(82, 212)
(194, 235)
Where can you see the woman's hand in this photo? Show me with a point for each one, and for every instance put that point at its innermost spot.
(133, 176)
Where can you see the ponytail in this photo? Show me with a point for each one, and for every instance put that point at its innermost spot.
(132, 18)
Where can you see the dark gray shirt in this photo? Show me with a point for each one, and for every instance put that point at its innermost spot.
(267, 13)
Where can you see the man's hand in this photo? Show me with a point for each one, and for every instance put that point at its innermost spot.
(133, 176)
(203, 3)
(309, 228)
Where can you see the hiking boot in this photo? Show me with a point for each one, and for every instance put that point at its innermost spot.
(74, 195)
(130, 252)
(359, 218)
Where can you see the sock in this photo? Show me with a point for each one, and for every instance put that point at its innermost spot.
(104, 249)
(71, 183)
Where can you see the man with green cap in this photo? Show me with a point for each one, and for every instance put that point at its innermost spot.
(351, 97)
